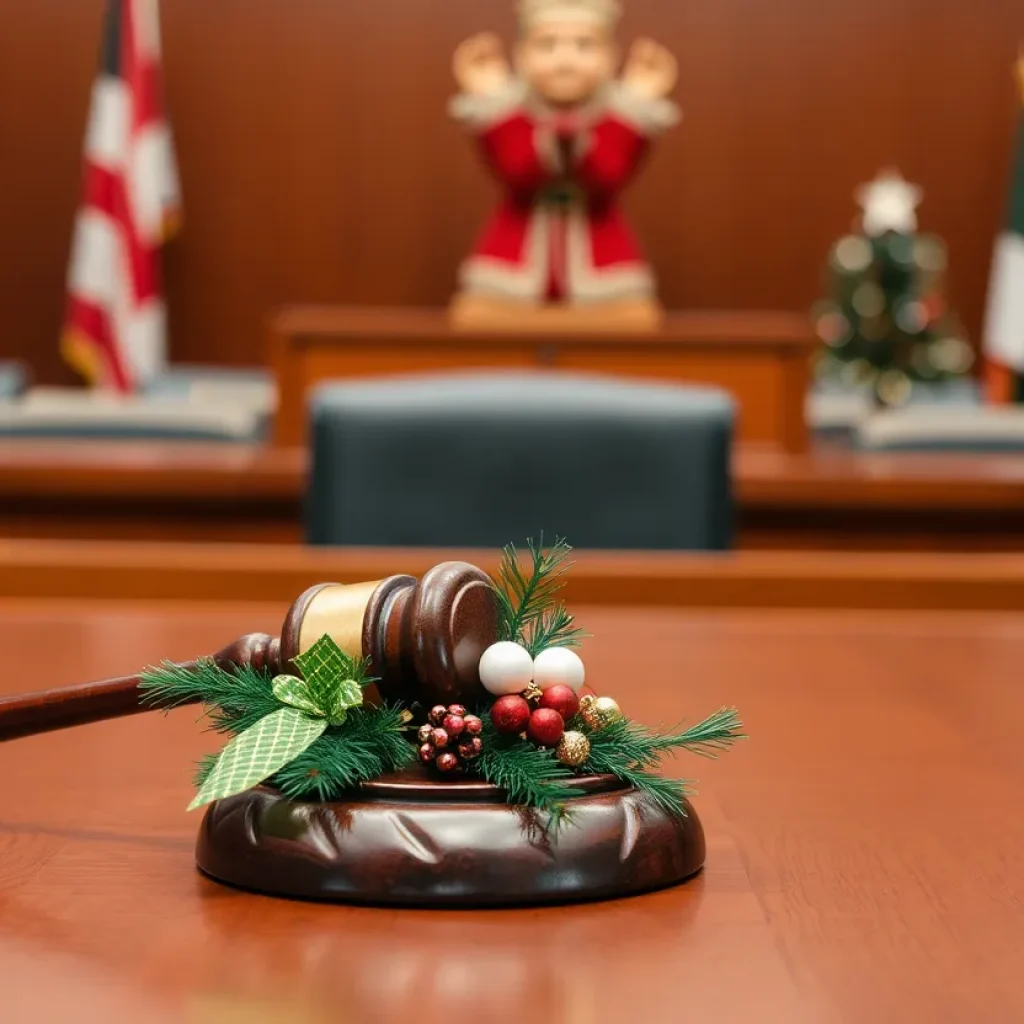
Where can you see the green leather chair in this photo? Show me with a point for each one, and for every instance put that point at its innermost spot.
(479, 460)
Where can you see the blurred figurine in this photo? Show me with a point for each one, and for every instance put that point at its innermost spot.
(564, 137)
(887, 325)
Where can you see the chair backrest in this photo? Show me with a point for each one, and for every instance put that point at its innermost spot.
(482, 459)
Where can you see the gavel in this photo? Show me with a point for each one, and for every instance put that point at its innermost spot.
(424, 639)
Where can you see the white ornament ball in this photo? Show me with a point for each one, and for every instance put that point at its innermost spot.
(558, 666)
(506, 668)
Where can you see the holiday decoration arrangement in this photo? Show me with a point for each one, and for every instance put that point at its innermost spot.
(887, 324)
(314, 734)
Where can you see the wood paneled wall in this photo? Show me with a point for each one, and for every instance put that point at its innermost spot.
(318, 163)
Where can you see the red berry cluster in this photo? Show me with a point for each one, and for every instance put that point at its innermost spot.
(451, 738)
(543, 721)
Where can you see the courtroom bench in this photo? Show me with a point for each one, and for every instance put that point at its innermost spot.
(761, 358)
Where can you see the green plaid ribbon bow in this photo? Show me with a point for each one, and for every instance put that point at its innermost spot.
(331, 683)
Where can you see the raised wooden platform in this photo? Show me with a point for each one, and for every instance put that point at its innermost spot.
(762, 359)
(826, 499)
(212, 574)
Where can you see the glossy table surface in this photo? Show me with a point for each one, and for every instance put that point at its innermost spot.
(866, 845)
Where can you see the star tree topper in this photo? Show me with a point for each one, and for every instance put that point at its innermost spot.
(889, 204)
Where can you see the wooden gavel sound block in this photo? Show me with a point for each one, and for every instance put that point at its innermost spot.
(409, 838)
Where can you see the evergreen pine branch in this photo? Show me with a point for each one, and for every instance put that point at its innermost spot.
(370, 743)
(633, 753)
(169, 685)
(716, 733)
(361, 672)
(622, 744)
(235, 700)
(626, 742)
(669, 794)
(554, 627)
(530, 776)
(523, 597)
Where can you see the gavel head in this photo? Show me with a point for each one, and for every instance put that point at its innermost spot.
(424, 638)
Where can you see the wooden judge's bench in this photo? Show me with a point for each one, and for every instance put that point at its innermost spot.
(761, 358)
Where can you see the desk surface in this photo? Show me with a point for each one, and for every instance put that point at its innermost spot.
(866, 846)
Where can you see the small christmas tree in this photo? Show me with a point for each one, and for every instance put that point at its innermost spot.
(887, 324)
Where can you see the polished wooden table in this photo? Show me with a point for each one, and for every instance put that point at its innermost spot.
(762, 358)
(866, 846)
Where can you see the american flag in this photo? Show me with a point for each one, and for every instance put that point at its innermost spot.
(114, 331)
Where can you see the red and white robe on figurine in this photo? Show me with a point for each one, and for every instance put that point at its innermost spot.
(559, 234)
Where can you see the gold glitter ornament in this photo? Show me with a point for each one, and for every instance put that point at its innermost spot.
(573, 749)
(599, 712)
(586, 711)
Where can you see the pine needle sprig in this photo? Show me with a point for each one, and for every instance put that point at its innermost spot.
(717, 733)
(234, 700)
(669, 794)
(626, 742)
(370, 743)
(555, 627)
(524, 596)
(634, 753)
(529, 775)
(203, 769)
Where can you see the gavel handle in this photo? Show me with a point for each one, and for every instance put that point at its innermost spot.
(30, 713)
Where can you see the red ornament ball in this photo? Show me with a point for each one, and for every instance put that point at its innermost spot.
(510, 714)
(545, 727)
(473, 725)
(437, 714)
(447, 762)
(457, 709)
(454, 724)
(427, 753)
(562, 699)
(439, 738)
